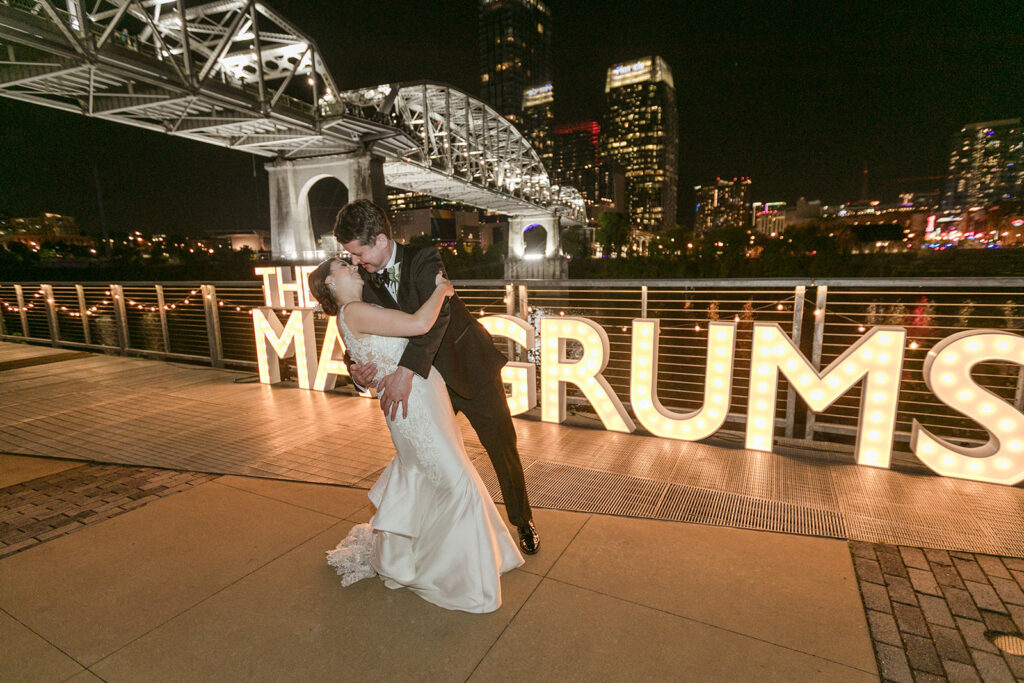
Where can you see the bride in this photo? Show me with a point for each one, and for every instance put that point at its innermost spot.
(436, 530)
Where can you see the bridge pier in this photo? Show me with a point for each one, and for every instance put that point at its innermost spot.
(291, 230)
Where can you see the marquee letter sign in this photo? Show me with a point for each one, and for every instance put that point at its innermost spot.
(286, 287)
(557, 371)
(332, 355)
(274, 341)
(877, 356)
(657, 419)
(875, 361)
(522, 376)
(947, 372)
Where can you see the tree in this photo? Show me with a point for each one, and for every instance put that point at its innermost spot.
(844, 239)
(613, 234)
(574, 242)
(421, 241)
(671, 242)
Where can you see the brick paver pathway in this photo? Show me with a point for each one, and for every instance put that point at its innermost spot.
(36, 511)
(928, 612)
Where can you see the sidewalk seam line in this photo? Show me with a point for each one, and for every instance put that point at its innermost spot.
(541, 577)
(45, 639)
(287, 481)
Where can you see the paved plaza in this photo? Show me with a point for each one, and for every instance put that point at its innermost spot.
(169, 522)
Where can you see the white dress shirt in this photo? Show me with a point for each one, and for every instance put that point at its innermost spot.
(392, 287)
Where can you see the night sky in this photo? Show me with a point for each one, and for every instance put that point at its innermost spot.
(798, 96)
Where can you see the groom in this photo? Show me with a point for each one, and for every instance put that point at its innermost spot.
(402, 277)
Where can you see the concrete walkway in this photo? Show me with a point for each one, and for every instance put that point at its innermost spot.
(161, 521)
(227, 581)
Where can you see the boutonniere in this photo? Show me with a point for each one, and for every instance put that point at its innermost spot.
(394, 273)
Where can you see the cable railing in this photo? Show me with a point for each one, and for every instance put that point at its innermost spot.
(211, 323)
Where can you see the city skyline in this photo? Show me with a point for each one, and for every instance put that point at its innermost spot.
(800, 99)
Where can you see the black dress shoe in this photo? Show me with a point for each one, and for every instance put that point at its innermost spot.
(529, 540)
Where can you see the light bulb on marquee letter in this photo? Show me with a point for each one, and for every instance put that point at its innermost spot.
(585, 373)
(947, 372)
(877, 357)
(660, 421)
(274, 341)
(522, 376)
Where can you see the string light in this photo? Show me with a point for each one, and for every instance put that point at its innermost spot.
(96, 309)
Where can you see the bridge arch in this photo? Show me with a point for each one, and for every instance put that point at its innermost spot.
(535, 241)
(324, 198)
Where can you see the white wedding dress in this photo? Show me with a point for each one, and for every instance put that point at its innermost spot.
(436, 530)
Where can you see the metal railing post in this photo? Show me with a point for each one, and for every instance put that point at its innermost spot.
(22, 313)
(162, 307)
(510, 299)
(83, 313)
(643, 301)
(524, 314)
(819, 338)
(120, 317)
(51, 314)
(510, 309)
(798, 322)
(213, 326)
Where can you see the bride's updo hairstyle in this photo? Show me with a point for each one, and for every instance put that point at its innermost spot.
(319, 288)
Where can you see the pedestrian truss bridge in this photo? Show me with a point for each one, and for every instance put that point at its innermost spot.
(239, 75)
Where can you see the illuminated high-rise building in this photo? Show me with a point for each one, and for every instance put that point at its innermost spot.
(537, 121)
(641, 134)
(986, 165)
(770, 217)
(576, 158)
(577, 163)
(723, 203)
(515, 52)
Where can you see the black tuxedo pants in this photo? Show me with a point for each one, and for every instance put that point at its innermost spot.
(488, 413)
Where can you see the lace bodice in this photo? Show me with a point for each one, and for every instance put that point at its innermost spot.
(385, 352)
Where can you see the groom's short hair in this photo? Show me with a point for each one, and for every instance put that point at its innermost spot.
(361, 220)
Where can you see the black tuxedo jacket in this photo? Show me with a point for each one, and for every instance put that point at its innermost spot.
(457, 345)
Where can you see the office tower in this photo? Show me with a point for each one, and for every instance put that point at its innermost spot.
(537, 121)
(723, 203)
(770, 218)
(640, 133)
(986, 165)
(577, 163)
(576, 159)
(515, 52)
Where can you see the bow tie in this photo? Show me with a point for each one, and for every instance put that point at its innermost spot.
(382, 277)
